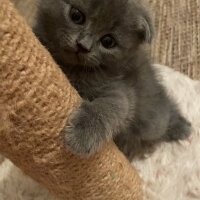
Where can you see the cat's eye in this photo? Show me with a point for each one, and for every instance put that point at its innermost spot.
(108, 41)
(77, 16)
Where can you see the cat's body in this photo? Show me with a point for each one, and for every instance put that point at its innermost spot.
(97, 43)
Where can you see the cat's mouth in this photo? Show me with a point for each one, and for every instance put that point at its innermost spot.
(71, 52)
(75, 57)
(80, 57)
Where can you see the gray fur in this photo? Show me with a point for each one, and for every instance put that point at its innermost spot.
(122, 96)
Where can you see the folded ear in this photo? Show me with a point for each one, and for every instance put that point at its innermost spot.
(145, 27)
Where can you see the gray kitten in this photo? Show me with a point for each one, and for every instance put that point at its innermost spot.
(98, 44)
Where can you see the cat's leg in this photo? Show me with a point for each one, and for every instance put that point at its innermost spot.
(179, 128)
(166, 123)
(97, 121)
(132, 146)
(148, 127)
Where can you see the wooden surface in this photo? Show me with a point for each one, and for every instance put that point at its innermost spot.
(177, 41)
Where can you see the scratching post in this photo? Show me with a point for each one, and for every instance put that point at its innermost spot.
(35, 102)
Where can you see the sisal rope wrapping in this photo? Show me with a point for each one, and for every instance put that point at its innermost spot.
(35, 102)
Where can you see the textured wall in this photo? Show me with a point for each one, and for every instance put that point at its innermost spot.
(177, 41)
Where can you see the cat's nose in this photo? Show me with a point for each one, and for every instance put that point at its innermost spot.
(82, 48)
(84, 45)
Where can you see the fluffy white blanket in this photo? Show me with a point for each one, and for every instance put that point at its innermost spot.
(172, 172)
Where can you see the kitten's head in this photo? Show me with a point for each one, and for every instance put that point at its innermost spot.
(93, 32)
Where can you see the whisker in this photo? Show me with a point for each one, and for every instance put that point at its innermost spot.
(93, 59)
(110, 54)
(63, 36)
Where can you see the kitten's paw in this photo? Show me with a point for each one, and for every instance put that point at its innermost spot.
(180, 129)
(85, 133)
